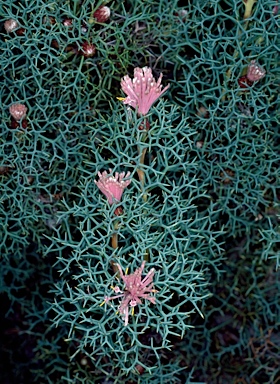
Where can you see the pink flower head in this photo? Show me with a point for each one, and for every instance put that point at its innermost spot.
(112, 186)
(142, 91)
(10, 25)
(135, 290)
(255, 71)
(18, 111)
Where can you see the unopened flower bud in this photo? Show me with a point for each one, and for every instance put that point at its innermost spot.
(68, 22)
(275, 10)
(118, 211)
(144, 126)
(102, 14)
(18, 111)
(244, 82)
(88, 50)
(16, 124)
(255, 71)
(10, 25)
(199, 144)
(20, 32)
(140, 369)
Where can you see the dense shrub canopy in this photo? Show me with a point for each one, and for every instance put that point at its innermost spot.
(201, 209)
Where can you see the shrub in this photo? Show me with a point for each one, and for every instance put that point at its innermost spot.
(201, 207)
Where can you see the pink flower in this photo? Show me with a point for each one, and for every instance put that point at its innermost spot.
(255, 71)
(135, 290)
(111, 186)
(18, 111)
(143, 90)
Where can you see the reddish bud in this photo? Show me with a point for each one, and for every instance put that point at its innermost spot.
(102, 14)
(15, 124)
(145, 126)
(10, 25)
(88, 50)
(68, 22)
(18, 111)
(275, 10)
(118, 211)
(244, 82)
(20, 32)
(140, 369)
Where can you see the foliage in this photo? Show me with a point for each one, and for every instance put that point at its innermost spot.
(204, 215)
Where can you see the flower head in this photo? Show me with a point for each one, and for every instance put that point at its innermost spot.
(18, 111)
(10, 25)
(102, 14)
(88, 49)
(68, 22)
(142, 91)
(255, 71)
(112, 186)
(135, 290)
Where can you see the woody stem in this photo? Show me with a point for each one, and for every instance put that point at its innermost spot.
(248, 8)
(141, 173)
(115, 240)
(247, 13)
(115, 245)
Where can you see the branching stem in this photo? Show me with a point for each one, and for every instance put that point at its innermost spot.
(141, 173)
(247, 14)
(115, 245)
(248, 8)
